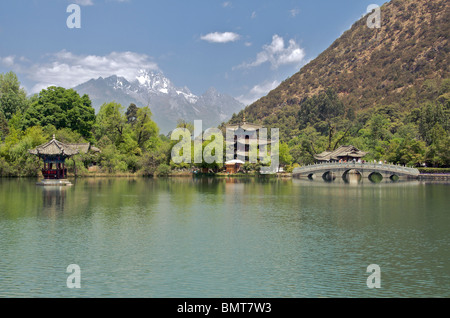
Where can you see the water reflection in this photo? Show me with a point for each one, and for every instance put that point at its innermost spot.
(355, 179)
(224, 237)
(358, 182)
(53, 200)
(352, 177)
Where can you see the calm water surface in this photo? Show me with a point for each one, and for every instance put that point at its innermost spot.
(224, 238)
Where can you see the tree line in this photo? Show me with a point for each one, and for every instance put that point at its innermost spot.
(130, 140)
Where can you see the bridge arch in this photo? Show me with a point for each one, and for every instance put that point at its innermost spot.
(394, 177)
(329, 176)
(375, 177)
(352, 175)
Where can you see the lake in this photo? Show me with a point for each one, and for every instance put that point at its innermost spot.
(224, 237)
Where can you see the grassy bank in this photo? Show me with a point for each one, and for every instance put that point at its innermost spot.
(125, 175)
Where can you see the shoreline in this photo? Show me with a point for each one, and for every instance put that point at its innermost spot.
(434, 176)
(420, 177)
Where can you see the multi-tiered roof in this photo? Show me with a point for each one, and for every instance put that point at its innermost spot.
(55, 148)
(343, 152)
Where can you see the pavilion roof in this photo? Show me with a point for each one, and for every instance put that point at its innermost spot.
(234, 161)
(342, 151)
(84, 148)
(244, 126)
(57, 148)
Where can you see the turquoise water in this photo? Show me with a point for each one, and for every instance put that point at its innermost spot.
(222, 237)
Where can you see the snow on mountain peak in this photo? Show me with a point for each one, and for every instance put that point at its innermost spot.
(159, 84)
(191, 98)
(155, 82)
(168, 102)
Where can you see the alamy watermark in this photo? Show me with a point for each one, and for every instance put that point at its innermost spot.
(374, 18)
(374, 280)
(245, 146)
(74, 19)
(74, 279)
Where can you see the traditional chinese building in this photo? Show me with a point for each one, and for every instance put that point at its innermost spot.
(233, 166)
(343, 153)
(245, 135)
(54, 154)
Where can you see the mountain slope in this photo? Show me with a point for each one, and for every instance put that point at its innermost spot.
(402, 64)
(167, 102)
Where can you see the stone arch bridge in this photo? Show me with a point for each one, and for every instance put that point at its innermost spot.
(331, 171)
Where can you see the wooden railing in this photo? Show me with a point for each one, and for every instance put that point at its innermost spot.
(54, 173)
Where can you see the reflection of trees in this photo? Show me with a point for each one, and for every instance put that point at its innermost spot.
(114, 195)
(18, 198)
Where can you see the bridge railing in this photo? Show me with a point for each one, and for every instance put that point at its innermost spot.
(357, 165)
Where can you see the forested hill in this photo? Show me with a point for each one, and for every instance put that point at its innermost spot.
(401, 65)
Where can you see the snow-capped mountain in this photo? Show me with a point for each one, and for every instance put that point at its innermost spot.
(167, 102)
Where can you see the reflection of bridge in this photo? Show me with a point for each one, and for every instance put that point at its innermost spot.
(329, 171)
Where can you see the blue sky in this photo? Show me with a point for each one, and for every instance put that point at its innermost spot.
(243, 48)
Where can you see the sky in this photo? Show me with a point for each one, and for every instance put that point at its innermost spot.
(242, 48)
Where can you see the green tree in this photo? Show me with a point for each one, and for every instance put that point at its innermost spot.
(379, 127)
(214, 165)
(145, 129)
(62, 108)
(131, 113)
(323, 111)
(430, 115)
(12, 96)
(150, 161)
(438, 153)
(163, 170)
(285, 156)
(181, 123)
(306, 145)
(4, 127)
(406, 151)
(14, 151)
(111, 122)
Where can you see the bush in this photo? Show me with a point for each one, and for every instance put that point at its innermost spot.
(290, 168)
(163, 170)
(434, 170)
(121, 166)
(5, 169)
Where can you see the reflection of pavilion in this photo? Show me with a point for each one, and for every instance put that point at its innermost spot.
(54, 154)
(53, 199)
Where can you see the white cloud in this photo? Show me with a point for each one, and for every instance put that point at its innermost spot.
(277, 54)
(257, 92)
(217, 37)
(226, 4)
(68, 70)
(8, 61)
(294, 12)
(253, 15)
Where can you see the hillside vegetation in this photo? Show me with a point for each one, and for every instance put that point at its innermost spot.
(384, 90)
